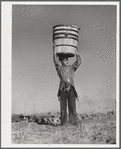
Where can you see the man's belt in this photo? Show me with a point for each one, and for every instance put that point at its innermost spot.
(66, 87)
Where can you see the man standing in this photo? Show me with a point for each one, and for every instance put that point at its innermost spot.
(67, 92)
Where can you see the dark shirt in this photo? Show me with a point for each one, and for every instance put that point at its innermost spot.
(66, 74)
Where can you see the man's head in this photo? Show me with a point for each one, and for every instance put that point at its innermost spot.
(64, 61)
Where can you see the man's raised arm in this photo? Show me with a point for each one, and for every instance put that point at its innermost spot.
(78, 61)
(55, 58)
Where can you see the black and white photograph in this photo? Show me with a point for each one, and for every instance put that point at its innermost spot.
(60, 74)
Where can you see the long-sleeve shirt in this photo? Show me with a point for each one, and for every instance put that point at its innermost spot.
(66, 74)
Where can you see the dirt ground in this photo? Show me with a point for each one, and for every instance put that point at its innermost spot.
(99, 131)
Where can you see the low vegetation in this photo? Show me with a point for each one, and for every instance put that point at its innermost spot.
(94, 128)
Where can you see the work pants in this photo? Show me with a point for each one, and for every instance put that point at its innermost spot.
(68, 97)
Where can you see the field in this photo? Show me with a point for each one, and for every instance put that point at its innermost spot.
(95, 128)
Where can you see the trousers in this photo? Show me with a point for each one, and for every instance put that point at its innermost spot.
(68, 97)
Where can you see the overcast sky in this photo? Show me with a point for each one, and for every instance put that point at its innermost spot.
(35, 81)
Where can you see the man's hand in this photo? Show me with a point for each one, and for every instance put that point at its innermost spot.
(77, 98)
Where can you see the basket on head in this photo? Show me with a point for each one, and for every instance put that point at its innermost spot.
(65, 38)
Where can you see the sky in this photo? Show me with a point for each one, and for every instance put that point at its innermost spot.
(35, 81)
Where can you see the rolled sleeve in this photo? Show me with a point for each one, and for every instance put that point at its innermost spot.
(77, 63)
(57, 66)
(57, 63)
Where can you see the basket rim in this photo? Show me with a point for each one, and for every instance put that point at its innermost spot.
(66, 26)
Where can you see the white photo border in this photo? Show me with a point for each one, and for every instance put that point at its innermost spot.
(6, 73)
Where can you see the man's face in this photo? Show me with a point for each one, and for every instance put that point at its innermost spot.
(65, 61)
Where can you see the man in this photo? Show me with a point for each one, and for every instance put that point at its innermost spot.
(67, 90)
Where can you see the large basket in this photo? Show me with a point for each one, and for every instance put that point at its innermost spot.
(65, 38)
